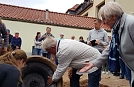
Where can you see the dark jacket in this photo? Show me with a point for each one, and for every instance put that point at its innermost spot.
(9, 75)
(10, 38)
(16, 42)
(83, 41)
(4, 35)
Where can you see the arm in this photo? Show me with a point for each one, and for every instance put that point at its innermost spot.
(12, 79)
(89, 38)
(105, 40)
(64, 61)
(97, 62)
(4, 35)
(20, 43)
(37, 42)
(104, 56)
(12, 42)
(131, 31)
(42, 37)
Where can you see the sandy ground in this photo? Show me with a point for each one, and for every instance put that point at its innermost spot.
(106, 81)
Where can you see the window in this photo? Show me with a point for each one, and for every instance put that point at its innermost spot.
(86, 14)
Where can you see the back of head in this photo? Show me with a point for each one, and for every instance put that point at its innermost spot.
(8, 30)
(111, 8)
(72, 37)
(11, 57)
(80, 37)
(49, 42)
(19, 55)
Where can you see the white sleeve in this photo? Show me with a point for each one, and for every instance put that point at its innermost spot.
(64, 61)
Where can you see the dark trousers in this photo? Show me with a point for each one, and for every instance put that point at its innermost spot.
(74, 80)
(46, 55)
(93, 79)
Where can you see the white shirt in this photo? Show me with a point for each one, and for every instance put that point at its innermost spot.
(73, 54)
(37, 44)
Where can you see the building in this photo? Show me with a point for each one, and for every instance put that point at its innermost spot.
(28, 21)
(90, 8)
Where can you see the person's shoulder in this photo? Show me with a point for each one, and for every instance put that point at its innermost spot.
(130, 19)
(9, 67)
(92, 30)
(10, 35)
(1, 24)
(13, 69)
(103, 30)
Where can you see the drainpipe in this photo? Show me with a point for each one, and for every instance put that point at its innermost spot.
(47, 13)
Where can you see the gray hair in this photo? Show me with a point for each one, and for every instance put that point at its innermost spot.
(111, 8)
(48, 42)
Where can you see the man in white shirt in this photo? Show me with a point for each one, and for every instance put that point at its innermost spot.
(70, 53)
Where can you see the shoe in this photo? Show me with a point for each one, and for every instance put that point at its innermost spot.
(116, 74)
(103, 72)
(121, 77)
(107, 73)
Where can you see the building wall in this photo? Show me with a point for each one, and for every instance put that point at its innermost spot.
(28, 32)
(92, 12)
(127, 6)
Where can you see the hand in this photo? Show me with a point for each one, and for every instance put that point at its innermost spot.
(49, 81)
(17, 47)
(98, 41)
(53, 57)
(87, 67)
(89, 43)
(5, 49)
(44, 36)
(70, 73)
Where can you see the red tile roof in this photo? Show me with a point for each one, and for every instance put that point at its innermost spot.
(74, 7)
(11, 12)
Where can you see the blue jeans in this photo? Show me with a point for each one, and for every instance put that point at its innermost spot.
(125, 70)
(93, 79)
(37, 51)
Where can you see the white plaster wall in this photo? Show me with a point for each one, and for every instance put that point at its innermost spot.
(28, 32)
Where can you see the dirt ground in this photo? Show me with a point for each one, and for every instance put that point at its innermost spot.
(106, 81)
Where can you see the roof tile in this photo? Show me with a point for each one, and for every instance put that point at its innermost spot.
(39, 16)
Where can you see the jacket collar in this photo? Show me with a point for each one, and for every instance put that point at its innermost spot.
(123, 19)
(100, 30)
(122, 23)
